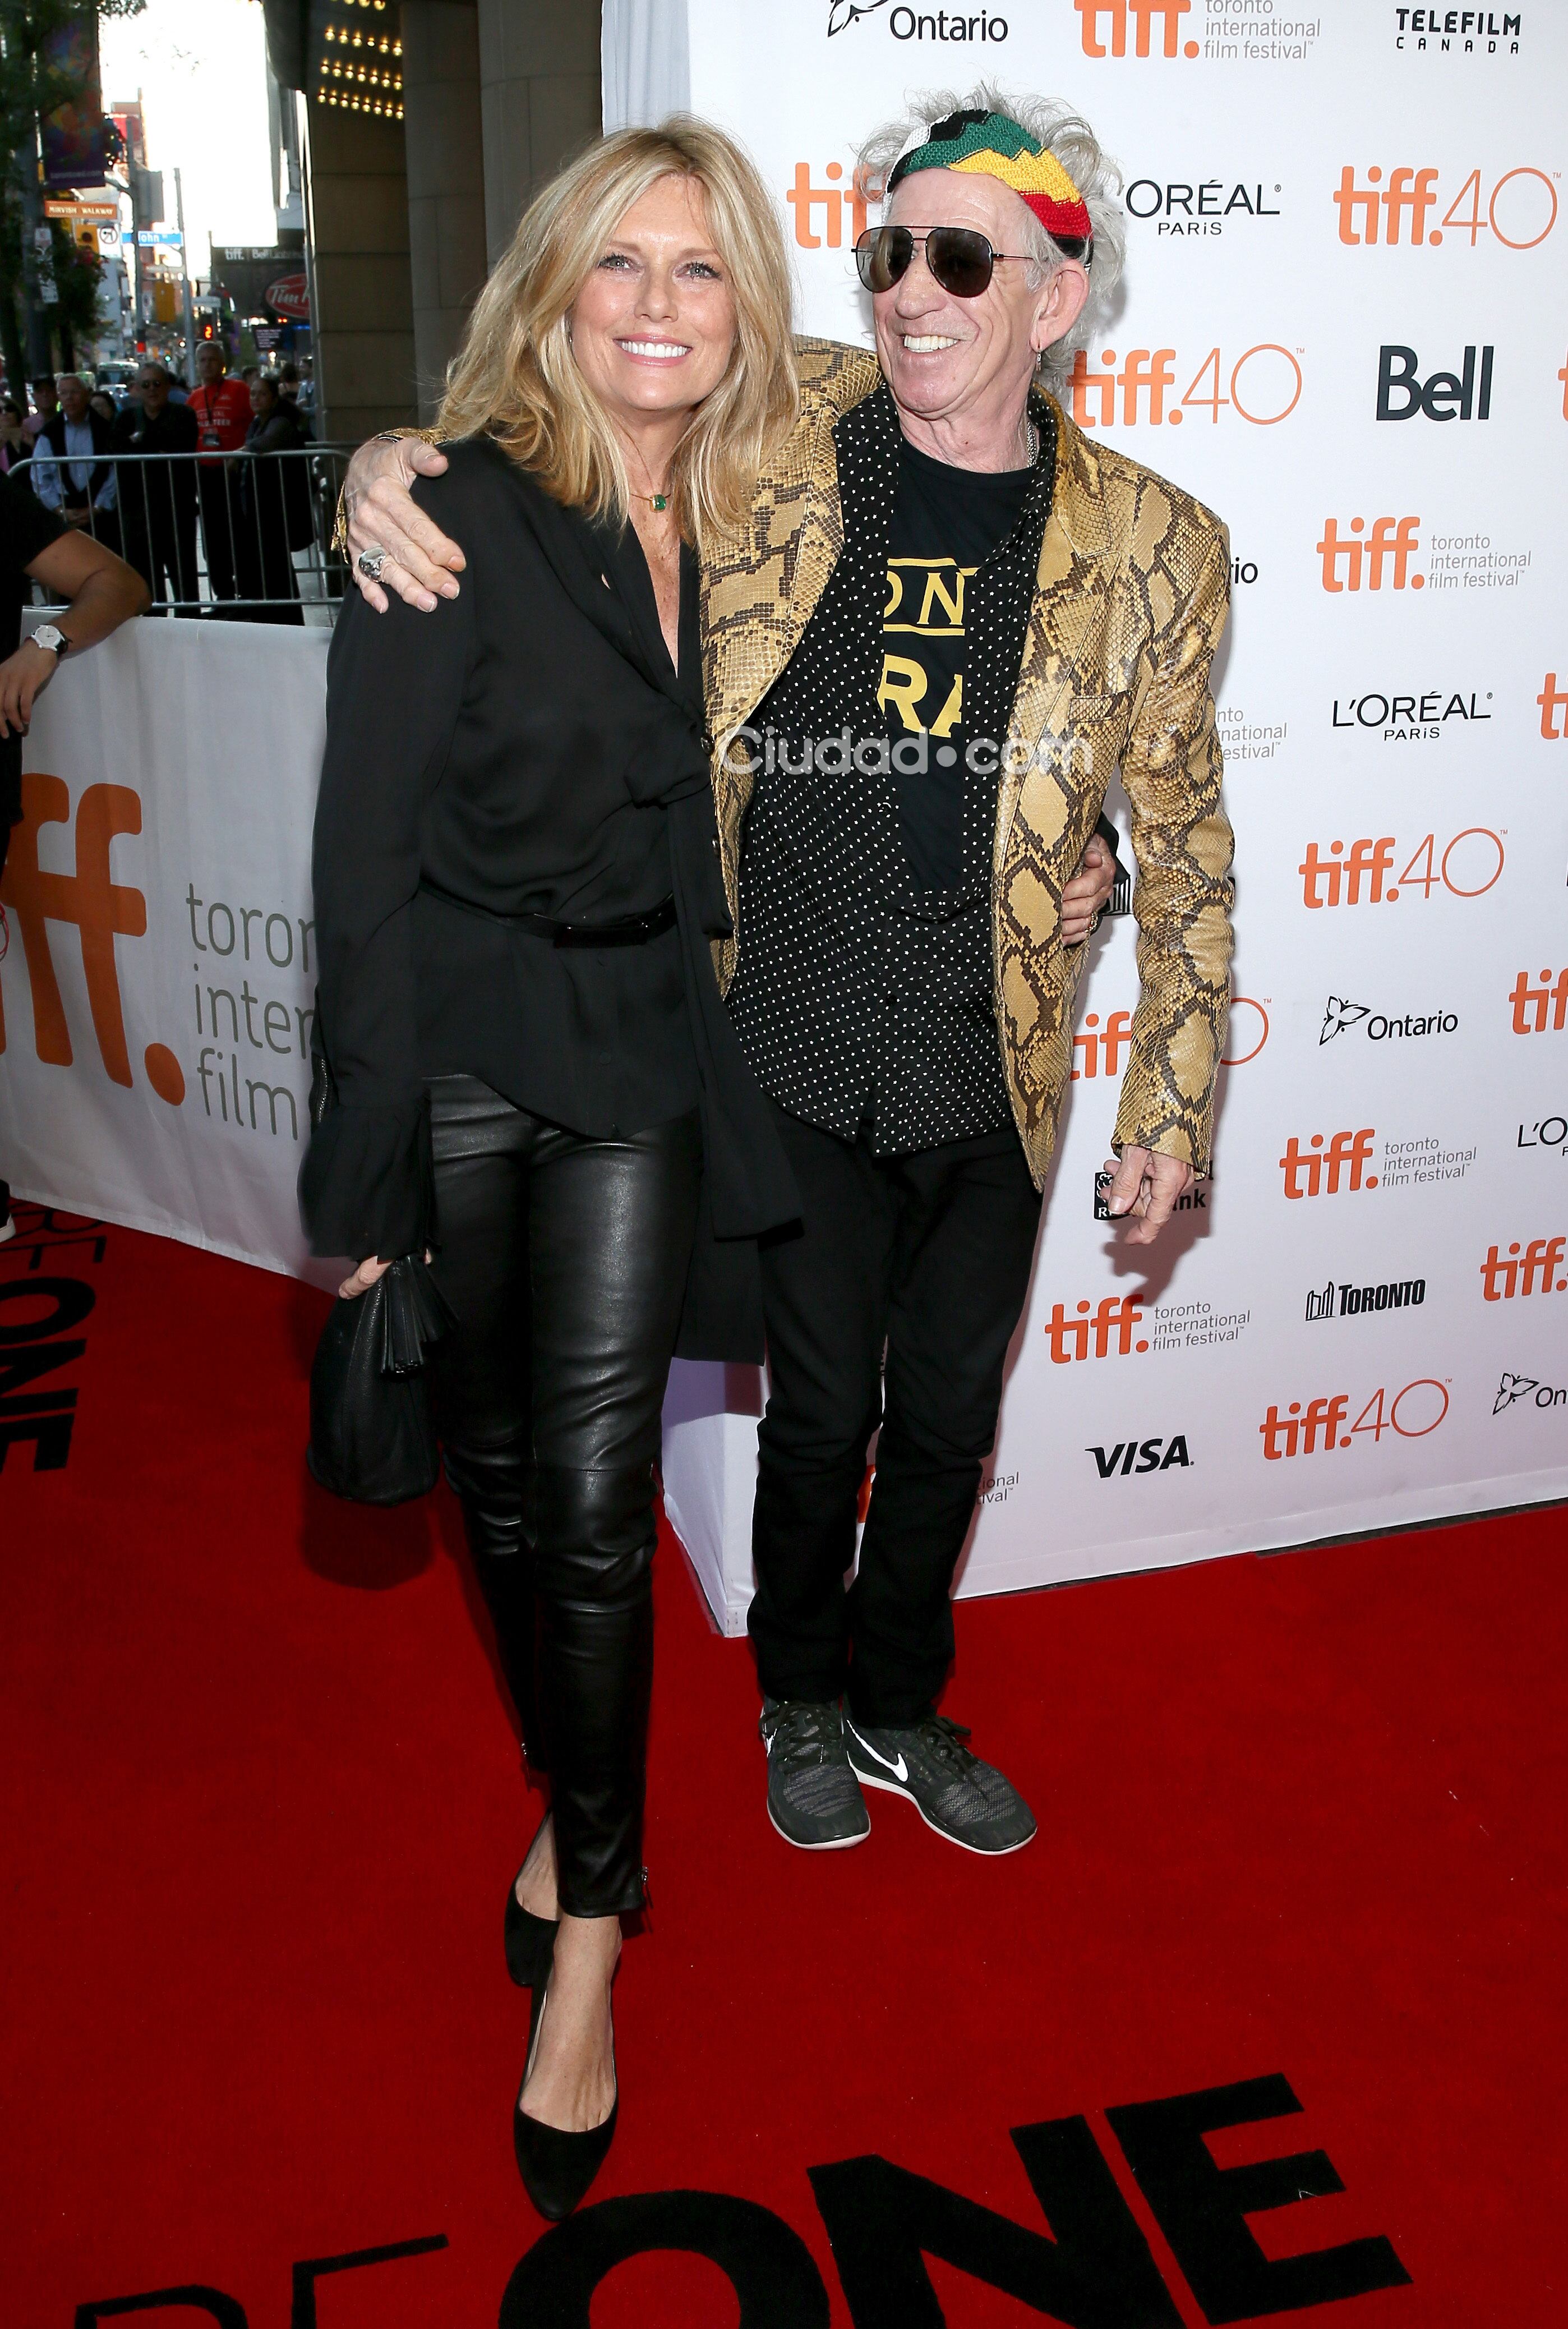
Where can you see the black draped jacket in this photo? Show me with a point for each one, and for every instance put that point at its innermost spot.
(528, 749)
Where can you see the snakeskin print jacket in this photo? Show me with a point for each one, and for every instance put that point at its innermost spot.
(1130, 599)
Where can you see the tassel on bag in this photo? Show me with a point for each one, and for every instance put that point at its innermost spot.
(373, 1432)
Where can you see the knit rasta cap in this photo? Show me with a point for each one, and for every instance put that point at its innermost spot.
(993, 145)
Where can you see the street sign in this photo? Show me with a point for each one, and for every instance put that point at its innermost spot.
(162, 238)
(108, 239)
(101, 212)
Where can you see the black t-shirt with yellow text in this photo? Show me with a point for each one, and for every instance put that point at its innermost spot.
(946, 522)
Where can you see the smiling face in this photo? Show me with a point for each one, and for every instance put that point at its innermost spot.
(960, 369)
(654, 326)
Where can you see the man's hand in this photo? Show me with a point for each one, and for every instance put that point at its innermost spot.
(23, 677)
(1148, 1186)
(1086, 892)
(421, 565)
(77, 516)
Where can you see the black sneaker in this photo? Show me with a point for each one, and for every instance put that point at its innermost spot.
(963, 1799)
(812, 1796)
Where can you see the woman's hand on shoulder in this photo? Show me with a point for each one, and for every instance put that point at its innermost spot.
(420, 564)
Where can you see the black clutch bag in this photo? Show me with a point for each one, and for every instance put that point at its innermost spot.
(372, 1435)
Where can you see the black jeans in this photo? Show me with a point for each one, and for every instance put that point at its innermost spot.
(928, 1255)
(565, 1260)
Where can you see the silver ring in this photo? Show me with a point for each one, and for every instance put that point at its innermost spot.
(370, 563)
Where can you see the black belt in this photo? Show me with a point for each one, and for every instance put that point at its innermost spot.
(633, 930)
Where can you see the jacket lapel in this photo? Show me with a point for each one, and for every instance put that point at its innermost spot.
(1062, 647)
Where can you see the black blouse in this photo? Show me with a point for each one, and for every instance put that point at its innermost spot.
(527, 749)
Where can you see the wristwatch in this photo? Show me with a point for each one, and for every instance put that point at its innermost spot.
(46, 636)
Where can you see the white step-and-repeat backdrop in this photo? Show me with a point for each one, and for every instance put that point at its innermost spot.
(1344, 325)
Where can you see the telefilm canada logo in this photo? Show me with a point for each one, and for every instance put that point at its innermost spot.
(1343, 1018)
(1398, 718)
(1457, 32)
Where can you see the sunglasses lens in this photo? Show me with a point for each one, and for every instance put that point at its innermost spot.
(883, 255)
(961, 260)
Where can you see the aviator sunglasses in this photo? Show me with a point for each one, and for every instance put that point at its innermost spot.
(961, 260)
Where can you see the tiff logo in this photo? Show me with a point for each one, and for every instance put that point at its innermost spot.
(1111, 1330)
(1102, 1052)
(1505, 1275)
(1531, 1003)
(1326, 883)
(99, 908)
(837, 204)
(1143, 14)
(1553, 699)
(1316, 1431)
(1312, 1175)
(1409, 194)
(1392, 541)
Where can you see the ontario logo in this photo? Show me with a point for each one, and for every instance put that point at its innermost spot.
(1342, 1016)
(1519, 1391)
(906, 24)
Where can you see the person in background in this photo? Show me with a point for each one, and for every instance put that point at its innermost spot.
(45, 403)
(16, 445)
(97, 591)
(103, 404)
(223, 410)
(270, 498)
(158, 499)
(82, 488)
(288, 383)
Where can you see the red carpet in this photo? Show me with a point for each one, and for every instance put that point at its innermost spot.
(1302, 1820)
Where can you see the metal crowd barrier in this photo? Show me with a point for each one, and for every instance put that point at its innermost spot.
(243, 536)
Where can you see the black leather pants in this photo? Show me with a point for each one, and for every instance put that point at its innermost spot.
(565, 1260)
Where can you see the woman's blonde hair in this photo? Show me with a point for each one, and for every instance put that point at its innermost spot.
(516, 380)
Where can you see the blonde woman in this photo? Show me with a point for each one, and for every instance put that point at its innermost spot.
(516, 883)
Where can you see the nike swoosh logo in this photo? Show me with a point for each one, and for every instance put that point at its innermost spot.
(899, 1767)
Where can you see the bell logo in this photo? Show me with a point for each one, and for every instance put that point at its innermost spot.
(1112, 14)
(1312, 1174)
(1111, 1329)
(1390, 543)
(101, 910)
(1531, 1003)
(1535, 1271)
(1553, 699)
(806, 200)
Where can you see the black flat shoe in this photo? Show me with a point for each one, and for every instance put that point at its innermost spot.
(529, 1941)
(557, 2168)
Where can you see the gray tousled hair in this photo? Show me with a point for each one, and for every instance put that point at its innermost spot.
(1074, 144)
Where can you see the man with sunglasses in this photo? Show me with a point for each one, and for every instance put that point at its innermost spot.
(964, 619)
